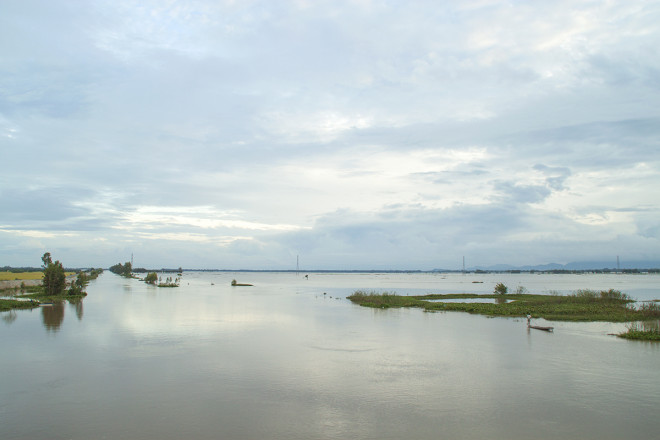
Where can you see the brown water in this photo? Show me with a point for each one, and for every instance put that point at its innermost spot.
(283, 360)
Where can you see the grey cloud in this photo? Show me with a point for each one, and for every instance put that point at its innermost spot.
(188, 104)
(517, 193)
(555, 175)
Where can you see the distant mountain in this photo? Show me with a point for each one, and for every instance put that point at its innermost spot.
(578, 265)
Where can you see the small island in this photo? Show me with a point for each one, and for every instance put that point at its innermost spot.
(584, 305)
(126, 270)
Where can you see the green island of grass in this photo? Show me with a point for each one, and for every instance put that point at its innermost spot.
(35, 296)
(584, 305)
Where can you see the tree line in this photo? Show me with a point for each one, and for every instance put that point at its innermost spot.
(54, 279)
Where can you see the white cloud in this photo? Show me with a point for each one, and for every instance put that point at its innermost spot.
(365, 133)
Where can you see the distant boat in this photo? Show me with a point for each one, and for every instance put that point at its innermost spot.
(538, 327)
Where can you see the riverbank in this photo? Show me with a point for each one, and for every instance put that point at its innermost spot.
(16, 284)
(28, 293)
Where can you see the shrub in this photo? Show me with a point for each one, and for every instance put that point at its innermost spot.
(500, 289)
(521, 290)
(151, 278)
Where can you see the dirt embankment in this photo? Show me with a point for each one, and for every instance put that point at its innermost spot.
(10, 284)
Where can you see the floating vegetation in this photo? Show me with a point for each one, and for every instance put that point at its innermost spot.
(644, 331)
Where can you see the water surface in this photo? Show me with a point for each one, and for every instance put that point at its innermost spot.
(291, 358)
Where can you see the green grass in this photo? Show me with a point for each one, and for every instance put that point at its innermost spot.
(37, 295)
(11, 304)
(647, 331)
(611, 306)
(5, 275)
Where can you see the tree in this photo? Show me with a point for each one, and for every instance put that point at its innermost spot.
(78, 286)
(54, 280)
(125, 270)
(151, 278)
(501, 289)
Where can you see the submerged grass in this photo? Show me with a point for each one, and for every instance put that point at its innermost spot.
(11, 304)
(641, 334)
(611, 306)
(32, 296)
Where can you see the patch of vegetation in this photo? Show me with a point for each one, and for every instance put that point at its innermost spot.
(169, 282)
(151, 278)
(384, 300)
(53, 287)
(11, 304)
(644, 331)
(611, 306)
(42, 297)
(8, 276)
(500, 289)
(638, 334)
(94, 273)
(124, 270)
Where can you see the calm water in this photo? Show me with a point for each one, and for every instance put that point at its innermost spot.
(291, 358)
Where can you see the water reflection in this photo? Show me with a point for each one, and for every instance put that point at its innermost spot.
(78, 307)
(281, 361)
(53, 315)
(9, 317)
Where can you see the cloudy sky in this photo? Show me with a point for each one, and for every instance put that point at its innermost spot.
(353, 133)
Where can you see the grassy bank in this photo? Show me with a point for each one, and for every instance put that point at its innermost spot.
(12, 304)
(31, 296)
(585, 305)
(641, 334)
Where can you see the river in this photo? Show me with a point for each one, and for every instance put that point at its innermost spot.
(291, 358)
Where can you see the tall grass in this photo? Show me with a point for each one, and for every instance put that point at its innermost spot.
(611, 295)
(646, 331)
(585, 305)
(383, 300)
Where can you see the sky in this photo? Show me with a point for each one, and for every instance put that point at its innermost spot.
(342, 134)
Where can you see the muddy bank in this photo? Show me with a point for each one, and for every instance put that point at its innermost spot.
(10, 284)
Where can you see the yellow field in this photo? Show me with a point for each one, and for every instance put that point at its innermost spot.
(4, 276)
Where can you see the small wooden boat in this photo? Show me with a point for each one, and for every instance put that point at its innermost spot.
(538, 327)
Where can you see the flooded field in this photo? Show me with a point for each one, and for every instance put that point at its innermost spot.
(291, 358)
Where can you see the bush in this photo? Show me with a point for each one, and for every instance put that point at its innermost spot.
(151, 278)
(78, 286)
(521, 290)
(500, 289)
